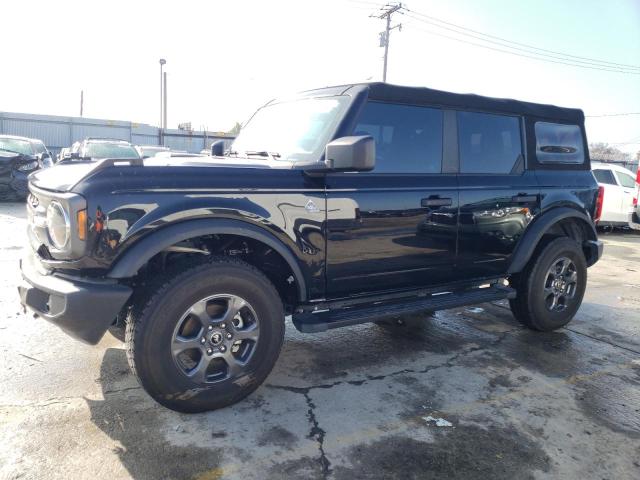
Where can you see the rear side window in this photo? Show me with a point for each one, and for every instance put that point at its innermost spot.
(408, 138)
(488, 143)
(604, 176)
(626, 180)
(558, 143)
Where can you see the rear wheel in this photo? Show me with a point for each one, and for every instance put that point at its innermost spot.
(207, 337)
(551, 288)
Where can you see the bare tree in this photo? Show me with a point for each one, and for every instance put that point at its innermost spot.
(604, 151)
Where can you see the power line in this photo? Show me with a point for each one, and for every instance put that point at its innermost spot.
(528, 51)
(521, 54)
(613, 114)
(589, 59)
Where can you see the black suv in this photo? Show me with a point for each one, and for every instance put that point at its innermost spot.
(337, 206)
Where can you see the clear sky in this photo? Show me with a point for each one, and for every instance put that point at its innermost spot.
(225, 58)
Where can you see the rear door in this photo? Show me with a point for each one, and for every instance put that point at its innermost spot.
(394, 227)
(498, 196)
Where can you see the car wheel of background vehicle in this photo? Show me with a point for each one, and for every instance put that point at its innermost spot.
(207, 337)
(551, 288)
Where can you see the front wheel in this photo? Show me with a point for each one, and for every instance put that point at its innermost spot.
(551, 288)
(207, 337)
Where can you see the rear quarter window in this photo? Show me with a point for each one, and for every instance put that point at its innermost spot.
(559, 143)
(604, 176)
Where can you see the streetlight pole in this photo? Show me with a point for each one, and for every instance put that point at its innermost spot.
(162, 63)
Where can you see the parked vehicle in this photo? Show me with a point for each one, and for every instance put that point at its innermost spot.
(64, 152)
(91, 149)
(20, 156)
(146, 151)
(636, 200)
(619, 194)
(340, 206)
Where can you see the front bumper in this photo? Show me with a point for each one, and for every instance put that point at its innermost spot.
(82, 308)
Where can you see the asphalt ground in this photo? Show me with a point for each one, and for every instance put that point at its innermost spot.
(470, 394)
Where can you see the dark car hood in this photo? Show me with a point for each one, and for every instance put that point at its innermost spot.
(63, 177)
(10, 161)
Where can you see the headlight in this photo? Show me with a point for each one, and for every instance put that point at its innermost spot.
(27, 167)
(58, 225)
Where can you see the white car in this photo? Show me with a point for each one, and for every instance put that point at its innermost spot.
(619, 201)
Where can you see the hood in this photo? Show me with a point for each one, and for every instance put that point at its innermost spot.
(238, 162)
(11, 160)
(63, 177)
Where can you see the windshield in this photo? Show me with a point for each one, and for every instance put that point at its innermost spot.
(110, 150)
(16, 145)
(292, 131)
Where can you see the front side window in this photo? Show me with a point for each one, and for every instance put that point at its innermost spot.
(408, 138)
(604, 176)
(559, 143)
(294, 131)
(488, 143)
(626, 180)
(38, 147)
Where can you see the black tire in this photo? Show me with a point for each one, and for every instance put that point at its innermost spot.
(534, 304)
(153, 322)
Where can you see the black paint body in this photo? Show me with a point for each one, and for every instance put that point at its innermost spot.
(350, 234)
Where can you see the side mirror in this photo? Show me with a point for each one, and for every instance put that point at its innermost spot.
(351, 154)
(217, 148)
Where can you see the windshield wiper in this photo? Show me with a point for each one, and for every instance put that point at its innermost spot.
(263, 153)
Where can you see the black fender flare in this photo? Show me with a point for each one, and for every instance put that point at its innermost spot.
(128, 264)
(534, 233)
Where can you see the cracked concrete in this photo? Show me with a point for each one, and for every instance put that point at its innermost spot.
(344, 404)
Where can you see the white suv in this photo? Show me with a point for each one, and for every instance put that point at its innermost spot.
(620, 199)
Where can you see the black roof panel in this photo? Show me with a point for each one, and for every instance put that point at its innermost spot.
(429, 96)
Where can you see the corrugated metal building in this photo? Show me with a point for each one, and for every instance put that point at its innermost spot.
(58, 132)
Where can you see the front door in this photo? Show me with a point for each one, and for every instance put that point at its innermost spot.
(394, 227)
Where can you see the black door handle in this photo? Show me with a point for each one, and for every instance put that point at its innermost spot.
(436, 202)
(524, 198)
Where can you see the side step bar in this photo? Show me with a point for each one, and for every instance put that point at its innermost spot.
(319, 321)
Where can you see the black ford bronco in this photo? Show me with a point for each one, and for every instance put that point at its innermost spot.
(336, 206)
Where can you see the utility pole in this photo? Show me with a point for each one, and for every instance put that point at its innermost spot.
(388, 11)
(81, 101)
